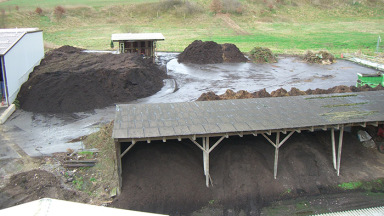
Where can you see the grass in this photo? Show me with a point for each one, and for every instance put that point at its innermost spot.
(285, 29)
(374, 185)
(343, 105)
(348, 114)
(332, 96)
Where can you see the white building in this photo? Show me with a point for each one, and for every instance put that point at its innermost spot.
(20, 51)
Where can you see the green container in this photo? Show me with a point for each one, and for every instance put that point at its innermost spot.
(372, 80)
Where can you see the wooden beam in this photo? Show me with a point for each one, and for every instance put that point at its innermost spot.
(339, 150)
(269, 140)
(285, 139)
(118, 166)
(197, 144)
(376, 124)
(126, 150)
(333, 148)
(216, 144)
(276, 154)
(206, 152)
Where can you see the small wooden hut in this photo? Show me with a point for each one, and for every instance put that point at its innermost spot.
(142, 43)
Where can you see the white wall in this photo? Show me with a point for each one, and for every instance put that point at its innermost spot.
(20, 60)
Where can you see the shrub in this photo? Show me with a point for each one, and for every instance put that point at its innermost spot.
(59, 11)
(39, 10)
(262, 55)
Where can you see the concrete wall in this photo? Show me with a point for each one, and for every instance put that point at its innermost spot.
(20, 60)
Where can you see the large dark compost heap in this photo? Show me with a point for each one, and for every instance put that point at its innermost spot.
(69, 80)
(209, 52)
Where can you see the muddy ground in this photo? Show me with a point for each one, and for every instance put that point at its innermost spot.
(168, 177)
(69, 80)
(28, 179)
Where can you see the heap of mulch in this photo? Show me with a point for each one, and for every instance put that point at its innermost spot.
(33, 185)
(209, 52)
(229, 94)
(262, 55)
(69, 80)
(322, 57)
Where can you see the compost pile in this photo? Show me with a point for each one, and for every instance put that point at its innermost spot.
(209, 52)
(36, 184)
(262, 55)
(229, 94)
(322, 57)
(69, 80)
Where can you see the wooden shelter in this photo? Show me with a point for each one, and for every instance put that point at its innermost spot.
(200, 121)
(142, 43)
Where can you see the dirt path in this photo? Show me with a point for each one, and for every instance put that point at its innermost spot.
(232, 24)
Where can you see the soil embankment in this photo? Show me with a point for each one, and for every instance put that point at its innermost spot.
(69, 80)
(209, 52)
(242, 94)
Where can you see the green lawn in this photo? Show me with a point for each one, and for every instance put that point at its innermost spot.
(286, 29)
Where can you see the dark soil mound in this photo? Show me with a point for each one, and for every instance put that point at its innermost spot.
(209, 52)
(34, 185)
(279, 93)
(69, 80)
(232, 54)
(229, 94)
(322, 57)
(262, 55)
(261, 94)
(208, 96)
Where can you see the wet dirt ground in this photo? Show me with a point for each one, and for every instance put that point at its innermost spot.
(44, 134)
(39, 134)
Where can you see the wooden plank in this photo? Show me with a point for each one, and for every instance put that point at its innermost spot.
(80, 161)
(78, 165)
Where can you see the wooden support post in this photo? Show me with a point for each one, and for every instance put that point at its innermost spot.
(339, 150)
(207, 176)
(118, 165)
(204, 158)
(206, 150)
(126, 150)
(333, 148)
(277, 144)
